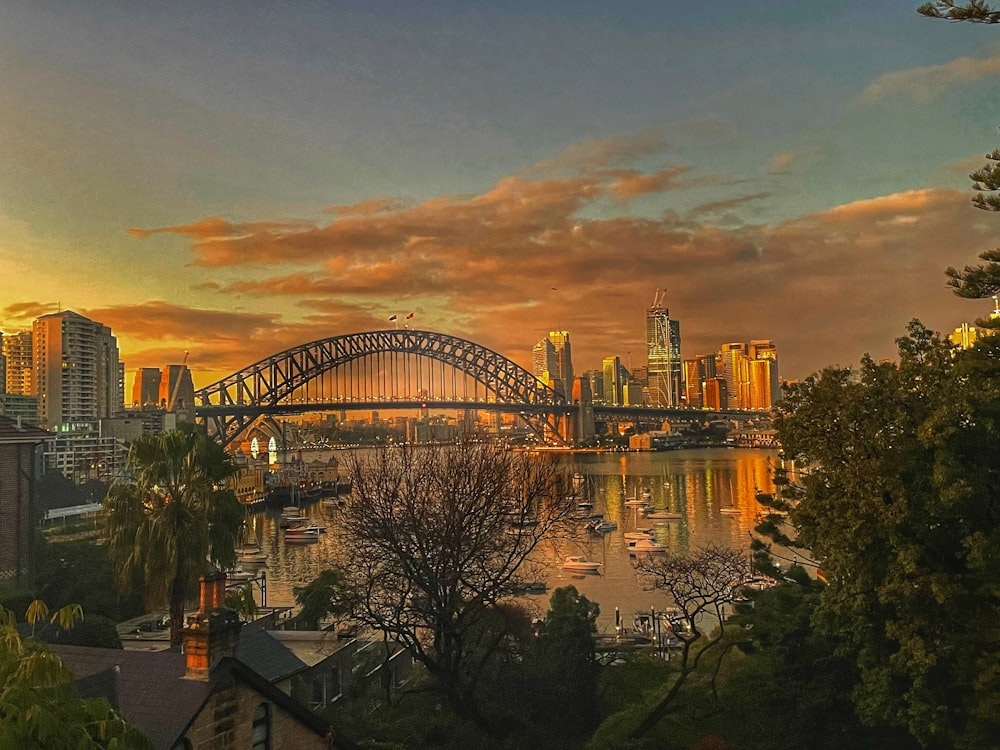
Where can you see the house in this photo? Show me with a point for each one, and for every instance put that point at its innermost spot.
(18, 444)
(206, 697)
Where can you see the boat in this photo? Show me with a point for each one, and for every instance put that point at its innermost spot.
(578, 562)
(312, 529)
(730, 509)
(639, 534)
(585, 505)
(301, 538)
(645, 546)
(663, 515)
(600, 526)
(251, 556)
(636, 503)
(646, 493)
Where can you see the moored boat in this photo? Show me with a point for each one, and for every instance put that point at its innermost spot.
(580, 563)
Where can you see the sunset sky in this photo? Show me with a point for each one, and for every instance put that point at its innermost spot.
(234, 178)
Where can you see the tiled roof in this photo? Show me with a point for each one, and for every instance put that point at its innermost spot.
(267, 656)
(151, 692)
(10, 432)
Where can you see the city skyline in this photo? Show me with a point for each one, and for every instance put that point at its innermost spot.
(234, 181)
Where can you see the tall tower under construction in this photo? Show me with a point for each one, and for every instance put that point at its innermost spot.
(663, 351)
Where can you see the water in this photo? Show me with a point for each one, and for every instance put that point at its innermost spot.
(697, 483)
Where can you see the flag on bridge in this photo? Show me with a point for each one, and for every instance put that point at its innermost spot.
(409, 316)
(392, 318)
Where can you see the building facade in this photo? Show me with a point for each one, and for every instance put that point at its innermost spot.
(17, 351)
(663, 355)
(77, 373)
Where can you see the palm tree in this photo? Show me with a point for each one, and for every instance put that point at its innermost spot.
(171, 516)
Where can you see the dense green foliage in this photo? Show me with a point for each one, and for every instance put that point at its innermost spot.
(900, 502)
(39, 709)
(79, 571)
(171, 517)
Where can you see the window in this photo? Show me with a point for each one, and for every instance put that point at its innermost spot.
(261, 736)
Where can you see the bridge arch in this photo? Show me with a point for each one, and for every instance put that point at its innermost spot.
(231, 404)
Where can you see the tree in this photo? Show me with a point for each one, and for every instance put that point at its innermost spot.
(982, 280)
(899, 468)
(701, 586)
(435, 537)
(171, 516)
(39, 708)
(327, 594)
(976, 11)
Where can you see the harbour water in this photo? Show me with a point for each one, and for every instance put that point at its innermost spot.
(706, 486)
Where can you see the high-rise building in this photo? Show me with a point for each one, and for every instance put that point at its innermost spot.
(77, 376)
(552, 362)
(543, 360)
(564, 360)
(611, 368)
(663, 354)
(730, 365)
(146, 387)
(765, 387)
(17, 350)
(694, 376)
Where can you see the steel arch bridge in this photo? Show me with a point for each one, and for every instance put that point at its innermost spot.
(392, 368)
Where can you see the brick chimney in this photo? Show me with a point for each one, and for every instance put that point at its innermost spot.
(213, 631)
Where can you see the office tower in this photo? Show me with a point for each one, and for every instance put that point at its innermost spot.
(663, 354)
(563, 359)
(3, 367)
(552, 362)
(17, 350)
(146, 387)
(764, 386)
(611, 367)
(543, 360)
(596, 378)
(76, 371)
(694, 376)
(716, 398)
(965, 336)
(731, 367)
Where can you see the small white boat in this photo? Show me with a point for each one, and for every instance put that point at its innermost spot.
(645, 546)
(635, 503)
(578, 562)
(303, 531)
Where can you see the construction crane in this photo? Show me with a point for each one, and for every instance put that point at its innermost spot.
(177, 383)
(658, 298)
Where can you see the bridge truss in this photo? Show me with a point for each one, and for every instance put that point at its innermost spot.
(391, 368)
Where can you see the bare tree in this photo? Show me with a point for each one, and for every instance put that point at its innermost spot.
(435, 537)
(701, 586)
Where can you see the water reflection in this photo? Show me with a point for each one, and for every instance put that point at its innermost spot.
(712, 490)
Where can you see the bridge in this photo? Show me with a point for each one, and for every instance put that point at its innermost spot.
(396, 369)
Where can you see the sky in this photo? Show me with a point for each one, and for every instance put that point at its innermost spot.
(235, 178)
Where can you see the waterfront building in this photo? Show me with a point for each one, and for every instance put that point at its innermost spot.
(18, 373)
(77, 376)
(663, 354)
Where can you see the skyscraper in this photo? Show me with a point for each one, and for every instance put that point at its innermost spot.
(17, 350)
(563, 360)
(731, 367)
(663, 353)
(76, 370)
(552, 362)
(612, 382)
